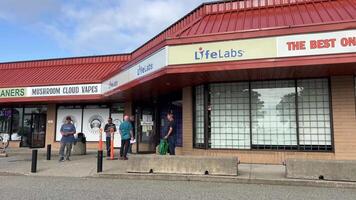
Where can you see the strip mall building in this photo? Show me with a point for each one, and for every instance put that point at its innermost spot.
(261, 80)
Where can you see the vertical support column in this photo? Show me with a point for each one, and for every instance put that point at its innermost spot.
(128, 108)
(344, 116)
(187, 120)
(51, 121)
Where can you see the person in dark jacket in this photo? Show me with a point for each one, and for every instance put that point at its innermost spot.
(107, 128)
(170, 129)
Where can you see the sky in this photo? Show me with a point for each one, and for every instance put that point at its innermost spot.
(42, 29)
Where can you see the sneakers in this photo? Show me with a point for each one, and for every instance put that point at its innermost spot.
(62, 159)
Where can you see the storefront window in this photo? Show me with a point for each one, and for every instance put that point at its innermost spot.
(273, 113)
(230, 115)
(280, 114)
(199, 117)
(314, 113)
(17, 121)
(5, 120)
(88, 119)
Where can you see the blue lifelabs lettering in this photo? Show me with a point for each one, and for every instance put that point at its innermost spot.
(203, 54)
(144, 69)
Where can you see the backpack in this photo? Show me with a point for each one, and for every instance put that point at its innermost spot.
(163, 147)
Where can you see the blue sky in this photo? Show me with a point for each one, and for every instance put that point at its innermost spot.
(41, 29)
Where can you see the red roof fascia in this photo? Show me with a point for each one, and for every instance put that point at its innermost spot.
(66, 61)
(21, 76)
(268, 32)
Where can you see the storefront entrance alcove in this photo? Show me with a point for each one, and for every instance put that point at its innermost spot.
(35, 126)
(151, 120)
(24, 123)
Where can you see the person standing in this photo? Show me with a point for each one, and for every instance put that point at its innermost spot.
(126, 132)
(171, 136)
(107, 128)
(67, 130)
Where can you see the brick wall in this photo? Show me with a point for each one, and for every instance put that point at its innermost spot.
(51, 123)
(344, 116)
(187, 121)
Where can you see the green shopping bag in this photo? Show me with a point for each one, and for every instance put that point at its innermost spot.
(163, 147)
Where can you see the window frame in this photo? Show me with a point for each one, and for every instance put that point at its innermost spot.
(289, 148)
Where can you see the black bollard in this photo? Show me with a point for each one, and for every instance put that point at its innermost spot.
(100, 162)
(34, 161)
(49, 152)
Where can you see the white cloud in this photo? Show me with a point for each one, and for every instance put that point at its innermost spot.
(90, 27)
(115, 26)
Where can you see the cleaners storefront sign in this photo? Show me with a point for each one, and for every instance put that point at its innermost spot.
(12, 92)
(65, 90)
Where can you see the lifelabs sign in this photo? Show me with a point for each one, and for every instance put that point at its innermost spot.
(317, 44)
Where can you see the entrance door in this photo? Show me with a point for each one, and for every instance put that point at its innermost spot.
(35, 126)
(146, 130)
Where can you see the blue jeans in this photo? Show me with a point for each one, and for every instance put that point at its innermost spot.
(108, 146)
(68, 149)
(172, 145)
(124, 147)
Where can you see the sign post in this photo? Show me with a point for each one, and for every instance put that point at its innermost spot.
(100, 152)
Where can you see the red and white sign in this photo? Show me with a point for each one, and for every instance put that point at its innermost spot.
(317, 44)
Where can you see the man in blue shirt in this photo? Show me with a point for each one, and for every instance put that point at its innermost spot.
(126, 132)
(67, 131)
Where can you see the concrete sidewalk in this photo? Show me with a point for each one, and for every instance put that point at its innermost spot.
(19, 163)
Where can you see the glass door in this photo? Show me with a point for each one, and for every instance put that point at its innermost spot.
(26, 131)
(38, 131)
(34, 131)
(146, 131)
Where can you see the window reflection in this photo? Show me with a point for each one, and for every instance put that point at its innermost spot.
(230, 115)
(273, 113)
(314, 112)
(17, 129)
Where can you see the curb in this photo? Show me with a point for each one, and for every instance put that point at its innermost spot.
(211, 178)
(11, 174)
(227, 179)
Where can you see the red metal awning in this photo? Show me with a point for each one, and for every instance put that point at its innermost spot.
(59, 71)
